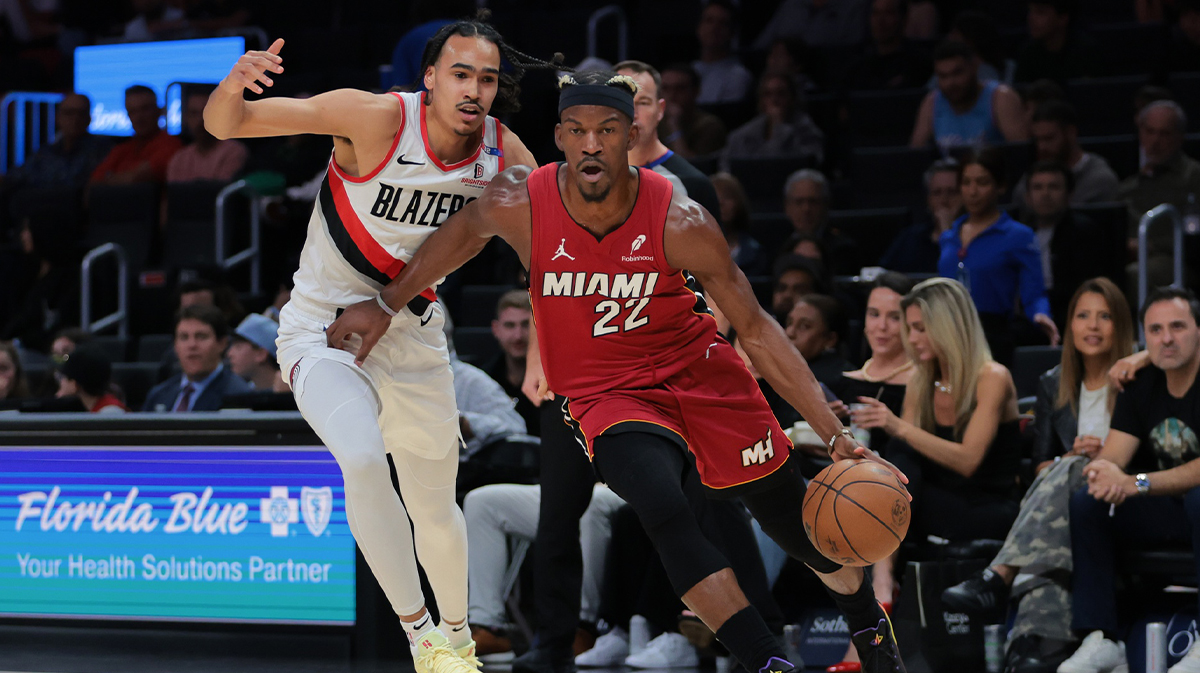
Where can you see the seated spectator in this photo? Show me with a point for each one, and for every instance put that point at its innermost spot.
(1167, 176)
(144, 157)
(794, 277)
(252, 353)
(806, 245)
(496, 512)
(427, 17)
(978, 30)
(1073, 247)
(1055, 132)
(650, 152)
(206, 158)
(1056, 50)
(1071, 419)
(71, 158)
(514, 318)
(201, 292)
(685, 128)
(806, 204)
(13, 384)
(793, 58)
(1183, 51)
(963, 110)
(1142, 488)
(50, 298)
(723, 78)
(820, 23)
(734, 217)
(916, 248)
(884, 377)
(155, 20)
(1039, 93)
(958, 438)
(816, 326)
(485, 411)
(201, 335)
(87, 374)
(996, 259)
(780, 129)
(217, 15)
(890, 62)
(924, 20)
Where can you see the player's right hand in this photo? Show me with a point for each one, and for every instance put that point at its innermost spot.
(535, 386)
(251, 69)
(847, 448)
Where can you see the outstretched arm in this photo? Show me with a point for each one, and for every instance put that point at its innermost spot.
(693, 241)
(502, 210)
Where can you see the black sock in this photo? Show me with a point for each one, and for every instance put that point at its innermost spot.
(748, 639)
(861, 609)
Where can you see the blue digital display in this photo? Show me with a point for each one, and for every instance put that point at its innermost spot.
(103, 72)
(222, 534)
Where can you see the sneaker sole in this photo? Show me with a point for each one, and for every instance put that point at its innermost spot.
(497, 657)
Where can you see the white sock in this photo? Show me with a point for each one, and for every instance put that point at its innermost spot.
(459, 634)
(414, 630)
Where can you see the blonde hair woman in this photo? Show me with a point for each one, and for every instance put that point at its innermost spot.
(958, 436)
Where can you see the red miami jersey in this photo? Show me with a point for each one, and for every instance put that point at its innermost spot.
(611, 313)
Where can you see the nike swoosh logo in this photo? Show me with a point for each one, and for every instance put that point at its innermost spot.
(425, 320)
(400, 160)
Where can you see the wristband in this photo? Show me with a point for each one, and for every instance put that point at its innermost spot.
(833, 439)
(383, 305)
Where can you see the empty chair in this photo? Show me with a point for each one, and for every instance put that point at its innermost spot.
(770, 230)
(189, 235)
(889, 176)
(135, 379)
(475, 345)
(1028, 365)
(151, 347)
(873, 230)
(1185, 86)
(1133, 48)
(1113, 219)
(881, 118)
(477, 308)
(1121, 152)
(763, 179)
(1105, 103)
(126, 215)
(115, 348)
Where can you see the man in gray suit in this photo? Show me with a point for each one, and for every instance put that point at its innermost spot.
(201, 335)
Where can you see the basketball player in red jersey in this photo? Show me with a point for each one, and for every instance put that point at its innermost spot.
(401, 164)
(630, 344)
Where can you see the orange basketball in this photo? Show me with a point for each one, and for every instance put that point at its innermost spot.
(856, 512)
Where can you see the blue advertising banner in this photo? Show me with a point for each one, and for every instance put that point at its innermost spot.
(182, 533)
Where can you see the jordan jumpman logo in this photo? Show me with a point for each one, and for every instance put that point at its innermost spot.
(562, 252)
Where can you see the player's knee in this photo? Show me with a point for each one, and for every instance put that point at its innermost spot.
(362, 463)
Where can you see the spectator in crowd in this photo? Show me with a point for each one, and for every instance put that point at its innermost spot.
(1071, 419)
(427, 16)
(820, 23)
(685, 128)
(155, 20)
(252, 353)
(816, 326)
(1055, 131)
(793, 58)
(924, 20)
(201, 292)
(734, 216)
(794, 277)
(916, 248)
(782, 128)
(87, 374)
(1073, 247)
(485, 411)
(201, 335)
(723, 78)
(964, 110)
(1146, 95)
(13, 384)
(1055, 51)
(650, 152)
(884, 377)
(1142, 488)
(514, 318)
(978, 30)
(66, 341)
(217, 15)
(996, 258)
(890, 62)
(806, 245)
(1039, 93)
(496, 512)
(145, 156)
(958, 439)
(1183, 51)
(806, 204)
(1167, 176)
(206, 158)
(50, 299)
(71, 158)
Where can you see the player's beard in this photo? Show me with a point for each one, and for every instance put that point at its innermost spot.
(598, 193)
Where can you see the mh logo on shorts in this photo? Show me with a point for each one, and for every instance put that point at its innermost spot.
(762, 451)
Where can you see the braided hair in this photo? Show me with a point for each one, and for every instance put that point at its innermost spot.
(508, 89)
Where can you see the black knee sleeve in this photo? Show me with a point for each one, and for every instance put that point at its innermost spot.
(780, 513)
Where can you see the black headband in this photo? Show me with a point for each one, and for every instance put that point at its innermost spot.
(596, 94)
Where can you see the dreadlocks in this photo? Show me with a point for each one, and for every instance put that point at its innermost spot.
(508, 89)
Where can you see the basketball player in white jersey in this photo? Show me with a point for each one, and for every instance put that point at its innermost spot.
(402, 163)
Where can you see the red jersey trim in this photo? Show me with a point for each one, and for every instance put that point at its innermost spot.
(374, 253)
(500, 144)
(429, 150)
(387, 160)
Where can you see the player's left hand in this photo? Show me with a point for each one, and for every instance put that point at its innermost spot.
(365, 319)
(846, 448)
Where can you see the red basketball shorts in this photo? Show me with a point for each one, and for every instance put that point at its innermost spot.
(713, 406)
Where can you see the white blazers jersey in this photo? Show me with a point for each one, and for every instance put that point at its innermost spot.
(364, 230)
